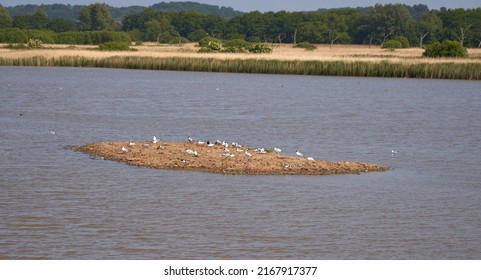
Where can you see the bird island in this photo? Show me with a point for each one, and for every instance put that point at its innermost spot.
(220, 157)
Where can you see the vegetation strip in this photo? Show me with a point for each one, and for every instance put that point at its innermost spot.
(463, 71)
(219, 159)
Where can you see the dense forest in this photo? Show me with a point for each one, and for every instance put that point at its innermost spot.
(189, 21)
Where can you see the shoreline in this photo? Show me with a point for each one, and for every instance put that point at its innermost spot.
(217, 158)
(353, 61)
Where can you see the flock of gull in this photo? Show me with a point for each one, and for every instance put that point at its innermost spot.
(227, 153)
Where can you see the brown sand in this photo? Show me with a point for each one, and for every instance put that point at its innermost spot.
(174, 155)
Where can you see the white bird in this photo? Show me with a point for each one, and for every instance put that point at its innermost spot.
(191, 152)
(226, 150)
(310, 158)
(154, 140)
(394, 152)
(299, 154)
(124, 149)
(239, 150)
(200, 142)
(131, 144)
(52, 132)
(262, 151)
(248, 154)
(287, 166)
(277, 150)
(190, 139)
(211, 145)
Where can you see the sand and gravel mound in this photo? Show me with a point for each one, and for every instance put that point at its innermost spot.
(218, 158)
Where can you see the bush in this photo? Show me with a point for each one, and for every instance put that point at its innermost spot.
(16, 46)
(392, 44)
(260, 48)
(115, 46)
(34, 44)
(306, 45)
(204, 42)
(404, 41)
(445, 49)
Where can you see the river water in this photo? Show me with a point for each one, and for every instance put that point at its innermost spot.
(59, 204)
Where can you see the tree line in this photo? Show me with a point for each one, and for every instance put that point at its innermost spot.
(412, 25)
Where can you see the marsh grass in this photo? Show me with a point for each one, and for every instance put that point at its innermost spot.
(447, 70)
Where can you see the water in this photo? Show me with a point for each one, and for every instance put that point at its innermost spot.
(59, 204)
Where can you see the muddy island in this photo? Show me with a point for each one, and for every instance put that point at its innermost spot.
(220, 158)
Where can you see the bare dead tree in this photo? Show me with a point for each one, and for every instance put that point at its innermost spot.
(421, 39)
(385, 37)
(333, 36)
(463, 30)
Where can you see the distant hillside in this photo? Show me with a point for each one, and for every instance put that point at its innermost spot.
(71, 12)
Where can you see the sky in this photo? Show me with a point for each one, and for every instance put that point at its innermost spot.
(264, 5)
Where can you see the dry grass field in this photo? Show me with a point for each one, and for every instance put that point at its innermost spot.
(346, 53)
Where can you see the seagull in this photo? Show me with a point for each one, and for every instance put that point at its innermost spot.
(248, 154)
(299, 154)
(52, 132)
(394, 152)
(131, 144)
(124, 149)
(190, 139)
(191, 152)
(154, 140)
(277, 150)
(310, 158)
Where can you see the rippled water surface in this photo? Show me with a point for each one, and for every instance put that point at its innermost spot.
(59, 204)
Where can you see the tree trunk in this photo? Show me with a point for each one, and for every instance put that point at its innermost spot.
(421, 39)
(294, 39)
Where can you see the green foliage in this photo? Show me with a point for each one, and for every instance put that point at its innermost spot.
(6, 20)
(232, 46)
(306, 45)
(236, 46)
(392, 44)
(212, 46)
(16, 47)
(115, 46)
(14, 35)
(404, 41)
(139, 43)
(166, 22)
(204, 42)
(445, 49)
(91, 37)
(34, 44)
(95, 17)
(260, 48)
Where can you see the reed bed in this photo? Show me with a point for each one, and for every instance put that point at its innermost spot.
(443, 70)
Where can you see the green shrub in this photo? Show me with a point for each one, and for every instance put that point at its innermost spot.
(115, 46)
(16, 46)
(392, 44)
(139, 43)
(404, 41)
(212, 46)
(204, 42)
(306, 45)
(34, 44)
(445, 49)
(260, 48)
